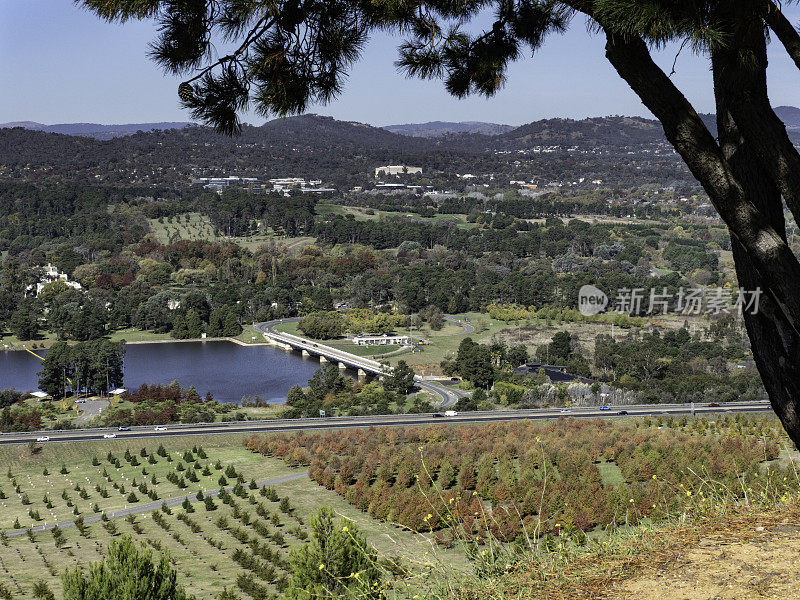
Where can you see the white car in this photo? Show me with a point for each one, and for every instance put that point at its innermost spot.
(160, 428)
(44, 438)
(109, 436)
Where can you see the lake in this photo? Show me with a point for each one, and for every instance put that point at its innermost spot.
(227, 370)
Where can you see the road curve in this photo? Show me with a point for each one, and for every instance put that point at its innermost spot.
(468, 329)
(288, 425)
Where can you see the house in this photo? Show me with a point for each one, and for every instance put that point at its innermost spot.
(555, 373)
(51, 274)
(397, 170)
(381, 340)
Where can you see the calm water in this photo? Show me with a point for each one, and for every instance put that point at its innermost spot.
(225, 369)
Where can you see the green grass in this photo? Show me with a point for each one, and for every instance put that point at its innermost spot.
(610, 473)
(361, 214)
(203, 568)
(195, 226)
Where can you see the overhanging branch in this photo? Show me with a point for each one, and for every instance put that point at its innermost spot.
(775, 262)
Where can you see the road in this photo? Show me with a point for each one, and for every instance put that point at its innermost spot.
(468, 329)
(284, 425)
(148, 506)
(449, 396)
(90, 409)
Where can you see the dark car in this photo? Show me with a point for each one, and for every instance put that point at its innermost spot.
(623, 412)
(435, 415)
(714, 404)
(124, 428)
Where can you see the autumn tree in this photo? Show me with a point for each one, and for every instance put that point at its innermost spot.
(290, 54)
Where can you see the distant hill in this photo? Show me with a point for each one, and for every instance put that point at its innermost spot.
(96, 130)
(790, 115)
(440, 128)
(593, 132)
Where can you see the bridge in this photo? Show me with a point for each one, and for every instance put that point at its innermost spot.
(362, 365)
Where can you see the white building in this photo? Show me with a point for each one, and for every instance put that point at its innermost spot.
(381, 340)
(396, 170)
(51, 274)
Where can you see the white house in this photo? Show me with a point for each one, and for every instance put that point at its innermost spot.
(396, 170)
(381, 340)
(51, 274)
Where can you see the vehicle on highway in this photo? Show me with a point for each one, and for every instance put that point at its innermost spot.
(43, 438)
(564, 410)
(713, 404)
(450, 413)
(623, 412)
(604, 407)
(123, 428)
(109, 436)
(160, 428)
(437, 415)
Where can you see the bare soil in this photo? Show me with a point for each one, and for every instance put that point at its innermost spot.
(754, 563)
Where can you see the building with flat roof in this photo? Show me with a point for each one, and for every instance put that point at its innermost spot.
(396, 170)
(381, 340)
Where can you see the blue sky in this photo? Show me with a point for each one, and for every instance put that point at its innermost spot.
(60, 64)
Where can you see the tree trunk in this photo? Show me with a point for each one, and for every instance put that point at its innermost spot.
(748, 202)
(740, 84)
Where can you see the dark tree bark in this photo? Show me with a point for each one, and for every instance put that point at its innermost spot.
(740, 83)
(743, 192)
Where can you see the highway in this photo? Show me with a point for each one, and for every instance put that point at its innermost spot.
(449, 396)
(283, 425)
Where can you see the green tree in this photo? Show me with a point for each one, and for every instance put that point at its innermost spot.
(57, 367)
(231, 326)
(401, 380)
(560, 347)
(24, 323)
(194, 325)
(42, 591)
(748, 167)
(336, 563)
(126, 573)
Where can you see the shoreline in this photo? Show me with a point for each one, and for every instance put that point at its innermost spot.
(27, 348)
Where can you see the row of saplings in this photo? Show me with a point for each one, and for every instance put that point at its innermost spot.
(336, 562)
(533, 478)
(260, 554)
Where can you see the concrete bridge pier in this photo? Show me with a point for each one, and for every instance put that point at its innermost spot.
(342, 366)
(322, 359)
(305, 353)
(362, 374)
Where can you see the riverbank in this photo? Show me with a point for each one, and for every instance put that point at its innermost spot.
(229, 369)
(248, 337)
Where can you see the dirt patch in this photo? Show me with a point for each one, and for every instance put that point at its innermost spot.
(756, 564)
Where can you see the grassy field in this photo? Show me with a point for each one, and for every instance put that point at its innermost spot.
(200, 542)
(368, 214)
(194, 226)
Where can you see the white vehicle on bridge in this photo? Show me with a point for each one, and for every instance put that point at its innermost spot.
(43, 438)
(160, 428)
(450, 413)
(109, 436)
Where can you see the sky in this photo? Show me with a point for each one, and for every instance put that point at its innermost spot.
(61, 64)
